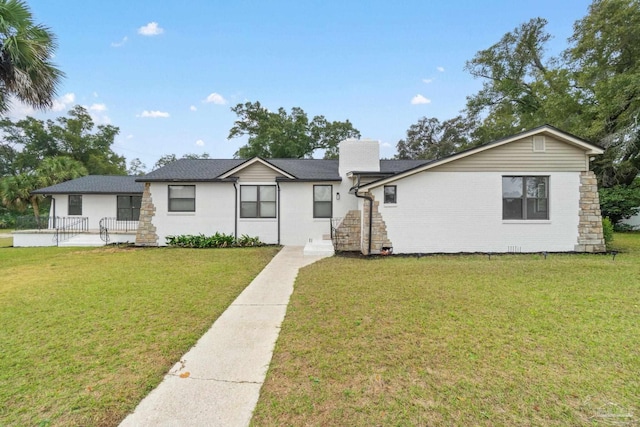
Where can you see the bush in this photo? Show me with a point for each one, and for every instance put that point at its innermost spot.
(618, 203)
(607, 230)
(218, 240)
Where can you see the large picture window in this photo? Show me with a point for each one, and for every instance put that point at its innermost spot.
(75, 204)
(258, 201)
(322, 201)
(525, 197)
(182, 198)
(129, 208)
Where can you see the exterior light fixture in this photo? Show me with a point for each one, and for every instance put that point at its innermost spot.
(337, 196)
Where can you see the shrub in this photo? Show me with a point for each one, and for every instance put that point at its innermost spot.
(218, 240)
(618, 203)
(607, 230)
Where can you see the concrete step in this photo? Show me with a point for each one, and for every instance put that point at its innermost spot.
(83, 240)
(319, 247)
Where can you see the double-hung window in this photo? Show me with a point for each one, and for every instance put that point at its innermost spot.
(129, 208)
(75, 204)
(182, 198)
(525, 197)
(258, 201)
(322, 201)
(390, 194)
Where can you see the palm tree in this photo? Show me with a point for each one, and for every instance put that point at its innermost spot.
(26, 49)
(16, 191)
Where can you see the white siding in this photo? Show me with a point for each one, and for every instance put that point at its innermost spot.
(215, 211)
(94, 206)
(296, 213)
(462, 212)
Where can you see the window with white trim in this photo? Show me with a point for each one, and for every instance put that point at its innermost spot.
(182, 198)
(525, 197)
(390, 194)
(128, 208)
(257, 201)
(75, 204)
(322, 201)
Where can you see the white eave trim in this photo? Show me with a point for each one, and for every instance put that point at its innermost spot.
(253, 161)
(590, 149)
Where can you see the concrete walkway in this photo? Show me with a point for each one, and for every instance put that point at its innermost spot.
(217, 383)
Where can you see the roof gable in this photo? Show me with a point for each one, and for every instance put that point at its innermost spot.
(252, 162)
(546, 130)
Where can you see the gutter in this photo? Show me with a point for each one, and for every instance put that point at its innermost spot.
(235, 216)
(278, 214)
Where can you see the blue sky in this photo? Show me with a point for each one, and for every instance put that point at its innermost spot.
(167, 73)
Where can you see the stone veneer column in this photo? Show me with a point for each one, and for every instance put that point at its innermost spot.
(347, 234)
(378, 230)
(590, 234)
(146, 234)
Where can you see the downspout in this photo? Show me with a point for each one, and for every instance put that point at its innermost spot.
(235, 217)
(370, 199)
(278, 214)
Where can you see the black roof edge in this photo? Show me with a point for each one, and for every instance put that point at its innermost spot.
(188, 180)
(283, 179)
(47, 193)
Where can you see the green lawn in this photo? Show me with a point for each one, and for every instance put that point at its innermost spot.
(461, 340)
(6, 241)
(86, 333)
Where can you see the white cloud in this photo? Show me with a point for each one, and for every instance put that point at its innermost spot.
(441, 69)
(151, 29)
(427, 81)
(98, 107)
(200, 143)
(19, 110)
(120, 43)
(419, 99)
(215, 98)
(95, 94)
(63, 102)
(386, 145)
(154, 114)
(193, 108)
(129, 136)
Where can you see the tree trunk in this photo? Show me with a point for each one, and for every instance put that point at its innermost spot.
(36, 209)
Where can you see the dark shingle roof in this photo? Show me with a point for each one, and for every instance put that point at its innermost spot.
(309, 169)
(96, 184)
(192, 170)
(395, 166)
(302, 169)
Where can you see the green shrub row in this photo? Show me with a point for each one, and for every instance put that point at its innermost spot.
(218, 240)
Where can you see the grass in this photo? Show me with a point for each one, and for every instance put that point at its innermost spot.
(460, 340)
(6, 242)
(87, 333)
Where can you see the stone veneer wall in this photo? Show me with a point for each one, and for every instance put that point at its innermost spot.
(347, 234)
(146, 234)
(378, 230)
(590, 234)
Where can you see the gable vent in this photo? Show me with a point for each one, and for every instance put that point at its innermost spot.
(538, 143)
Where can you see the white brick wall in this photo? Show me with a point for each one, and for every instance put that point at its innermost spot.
(94, 206)
(214, 211)
(462, 212)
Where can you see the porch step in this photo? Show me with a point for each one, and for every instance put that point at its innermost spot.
(319, 248)
(83, 240)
